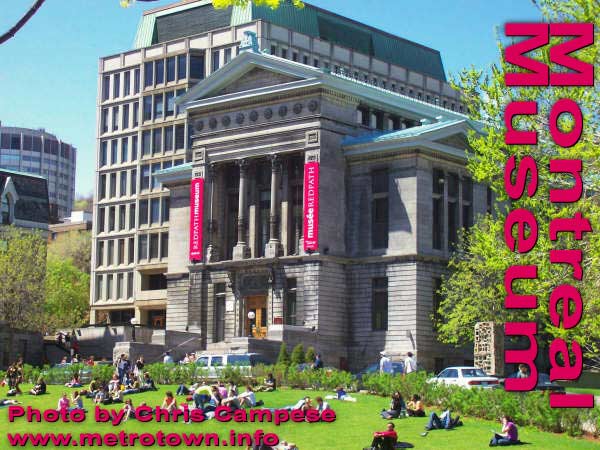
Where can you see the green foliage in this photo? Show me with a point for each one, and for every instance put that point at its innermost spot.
(76, 246)
(232, 373)
(22, 277)
(67, 294)
(284, 357)
(311, 354)
(102, 372)
(298, 355)
(474, 291)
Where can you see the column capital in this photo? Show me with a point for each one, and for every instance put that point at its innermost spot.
(243, 164)
(212, 169)
(276, 162)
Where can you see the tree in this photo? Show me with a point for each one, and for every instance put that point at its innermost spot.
(474, 290)
(76, 246)
(298, 355)
(311, 354)
(284, 357)
(67, 294)
(22, 277)
(22, 21)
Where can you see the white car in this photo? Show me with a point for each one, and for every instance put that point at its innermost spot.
(467, 377)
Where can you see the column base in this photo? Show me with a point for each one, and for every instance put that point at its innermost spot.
(273, 249)
(241, 251)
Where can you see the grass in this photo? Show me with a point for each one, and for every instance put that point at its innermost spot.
(352, 429)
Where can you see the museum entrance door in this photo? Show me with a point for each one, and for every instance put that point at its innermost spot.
(256, 316)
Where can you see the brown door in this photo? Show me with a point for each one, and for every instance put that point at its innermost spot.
(256, 327)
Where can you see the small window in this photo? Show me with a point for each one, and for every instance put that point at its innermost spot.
(196, 67)
(170, 69)
(148, 74)
(116, 85)
(159, 66)
(215, 60)
(379, 304)
(227, 55)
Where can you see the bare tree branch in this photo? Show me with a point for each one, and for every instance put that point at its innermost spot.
(21, 23)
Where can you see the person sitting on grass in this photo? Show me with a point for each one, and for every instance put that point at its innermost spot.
(215, 401)
(129, 410)
(113, 384)
(148, 383)
(269, 385)
(117, 396)
(442, 422)
(76, 401)
(63, 402)
(201, 395)
(8, 402)
(321, 405)
(385, 440)
(396, 407)
(39, 388)
(94, 387)
(509, 435)
(169, 403)
(75, 382)
(248, 398)
(101, 395)
(415, 407)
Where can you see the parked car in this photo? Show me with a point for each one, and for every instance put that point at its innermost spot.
(244, 361)
(397, 368)
(465, 376)
(543, 384)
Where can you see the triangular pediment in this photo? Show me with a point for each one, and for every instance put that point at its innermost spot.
(256, 78)
(458, 140)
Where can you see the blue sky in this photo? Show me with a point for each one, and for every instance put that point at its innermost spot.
(48, 72)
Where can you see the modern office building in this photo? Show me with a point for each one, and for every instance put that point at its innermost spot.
(41, 153)
(268, 175)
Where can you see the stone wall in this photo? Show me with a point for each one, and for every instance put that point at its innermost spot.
(20, 343)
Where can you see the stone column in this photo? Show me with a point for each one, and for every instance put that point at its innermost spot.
(273, 248)
(212, 252)
(240, 251)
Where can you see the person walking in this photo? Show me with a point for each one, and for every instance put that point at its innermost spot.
(410, 364)
(385, 363)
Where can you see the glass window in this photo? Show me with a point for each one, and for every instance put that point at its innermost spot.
(170, 99)
(124, 149)
(148, 74)
(168, 139)
(127, 83)
(143, 219)
(114, 151)
(131, 216)
(99, 281)
(113, 184)
(147, 107)
(179, 136)
(121, 251)
(133, 182)
(154, 246)
(100, 254)
(145, 181)
(155, 182)
(130, 285)
(136, 81)
(159, 66)
(102, 187)
(103, 153)
(290, 302)
(101, 219)
(109, 286)
(115, 118)
(170, 69)
(125, 121)
(158, 106)
(104, 121)
(116, 85)
(136, 113)
(134, 147)
(227, 55)
(142, 247)
(105, 87)
(110, 252)
(379, 305)
(379, 209)
(166, 202)
(156, 140)
(123, 187)
(120, 285)
(154, 210)
(131, 251)
(215, 60)
(182, 67)
(164, 245)
(146, 142)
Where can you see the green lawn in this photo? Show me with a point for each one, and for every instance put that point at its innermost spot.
(352, 429)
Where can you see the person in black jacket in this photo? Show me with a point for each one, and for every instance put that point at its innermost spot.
(397, 406)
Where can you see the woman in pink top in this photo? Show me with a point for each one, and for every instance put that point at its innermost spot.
(63, 402)
(509, 435)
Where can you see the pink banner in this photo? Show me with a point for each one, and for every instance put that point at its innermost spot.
(196, 216)
(311, 206)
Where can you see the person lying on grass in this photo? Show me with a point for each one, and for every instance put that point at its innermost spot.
(442, 422)
(509, 434)
(8, 402)
(385, 440)
(340, 394)
(415, 407)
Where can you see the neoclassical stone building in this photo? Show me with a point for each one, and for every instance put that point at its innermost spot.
(309, 191)
(308, 226)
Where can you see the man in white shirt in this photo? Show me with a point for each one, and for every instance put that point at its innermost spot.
(168, 359)
(385, 363)
(410, 364)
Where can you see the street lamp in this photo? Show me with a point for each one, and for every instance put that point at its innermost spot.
(251, 317)
(133, 324)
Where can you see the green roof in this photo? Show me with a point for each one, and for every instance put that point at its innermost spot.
(196, 18)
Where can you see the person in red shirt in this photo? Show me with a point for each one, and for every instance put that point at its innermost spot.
(385, 440)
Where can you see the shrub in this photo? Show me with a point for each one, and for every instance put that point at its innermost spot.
(102, 372)
(311, 354)
(298, 355)
(284, 357)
